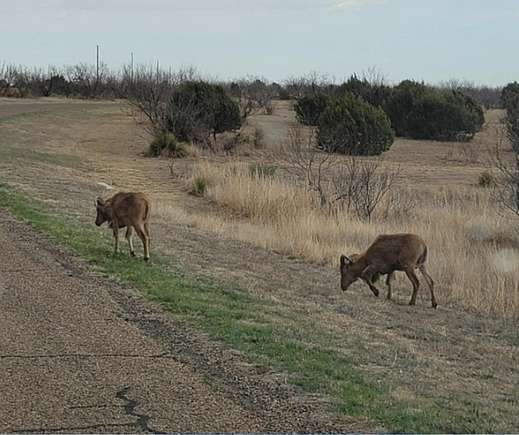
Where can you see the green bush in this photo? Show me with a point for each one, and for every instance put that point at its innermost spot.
(423, 112)
(510, 99)
(198, 109)
(375, 94)
(402, 104)
(352, 126)
(164, 141)
(309, 109)
(510, 95)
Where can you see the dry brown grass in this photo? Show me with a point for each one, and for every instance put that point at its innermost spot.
(472, 249)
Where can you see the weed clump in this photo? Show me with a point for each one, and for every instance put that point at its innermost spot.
(166, 142)
(486, 180)
(199, 187)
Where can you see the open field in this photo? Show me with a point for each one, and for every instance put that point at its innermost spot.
(451, 369)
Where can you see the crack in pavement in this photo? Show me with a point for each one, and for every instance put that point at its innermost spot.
(87, 355)
(70, 429)
(129, 408)
(101, 406)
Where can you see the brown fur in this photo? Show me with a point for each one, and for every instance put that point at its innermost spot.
(387, 254)
(126, 210)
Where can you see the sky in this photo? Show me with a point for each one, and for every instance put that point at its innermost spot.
(430, 40)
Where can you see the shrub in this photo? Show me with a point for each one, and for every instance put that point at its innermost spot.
(284, 95)
(198, 109)
(510, 95)
(309, 109)
(229, 143)
(423, 112)
(199, 185)
(375, 94)
(181, 150)
(486, 179)
(58, 85)
(402, 103)
(508, 186)
(164, 141)
(351, 126)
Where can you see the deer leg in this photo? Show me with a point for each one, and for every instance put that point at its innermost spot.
(145, 241)
(129, 237)
(367, 275)
(147, 232)
(115, 229)
(416, 284)
(388, 283)
(430, 283)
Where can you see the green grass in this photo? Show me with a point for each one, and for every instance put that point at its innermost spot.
(231, 315)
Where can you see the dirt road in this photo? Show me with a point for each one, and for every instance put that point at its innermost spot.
(76, 355)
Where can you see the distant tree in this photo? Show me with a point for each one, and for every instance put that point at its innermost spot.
(352, 126)
(508, 183)
(510, 94)
(198, 109)
(423, 112)
(58, 85)
(309, 109)
(375, 93)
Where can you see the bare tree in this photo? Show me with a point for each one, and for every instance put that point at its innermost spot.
(357, 185)
(254, 96)
(361, 186)
(303, 160)
(148, 91)
(374, 76)
(309, 85)
(370, 183)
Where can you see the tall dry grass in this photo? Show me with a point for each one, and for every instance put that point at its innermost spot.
(472, 247)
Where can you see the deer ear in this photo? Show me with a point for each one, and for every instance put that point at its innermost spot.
(345, 260)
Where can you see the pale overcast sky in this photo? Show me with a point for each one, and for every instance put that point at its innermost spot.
(433, 40)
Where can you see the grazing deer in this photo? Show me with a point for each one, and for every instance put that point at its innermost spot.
(130, 210)
(388, 253)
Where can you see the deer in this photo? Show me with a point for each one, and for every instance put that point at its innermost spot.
(126, 210)
(387, 254)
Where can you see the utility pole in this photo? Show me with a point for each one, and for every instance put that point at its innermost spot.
(97, 64)
(131, 68)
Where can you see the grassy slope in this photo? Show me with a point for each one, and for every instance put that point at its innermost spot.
(234, 317)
